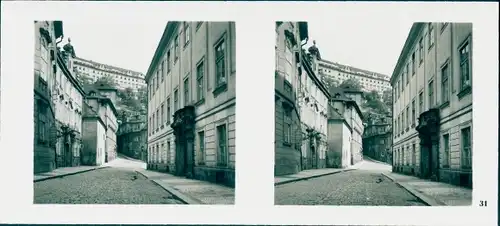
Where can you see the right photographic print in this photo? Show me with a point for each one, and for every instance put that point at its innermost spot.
(386, 128)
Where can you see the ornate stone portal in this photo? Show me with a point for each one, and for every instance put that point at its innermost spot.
(184, 127)
(428, 132)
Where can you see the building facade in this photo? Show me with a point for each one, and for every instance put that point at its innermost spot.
(432, 112)
(334, 74)
(47, 34)
(377, 142)
(123, 78)
(191, 101)
(100, 126)
(288, 128)
(345, 129)
(312, 102)
(133, 138)
(68, 106)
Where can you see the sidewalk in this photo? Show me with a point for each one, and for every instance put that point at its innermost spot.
(65, 171)
(431, 192)
(192, 191)
(313, 173)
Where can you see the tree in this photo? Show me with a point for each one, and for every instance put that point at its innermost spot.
(387, 98)
(85, 80)
(352, 84)
(106, 80)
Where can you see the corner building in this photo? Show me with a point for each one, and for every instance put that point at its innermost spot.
(191, 102)
(432, 113)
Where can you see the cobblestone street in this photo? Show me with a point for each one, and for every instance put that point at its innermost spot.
(365, 186)
(103, 186)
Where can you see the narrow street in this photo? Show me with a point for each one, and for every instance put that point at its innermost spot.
(118, 184)
(364, 186)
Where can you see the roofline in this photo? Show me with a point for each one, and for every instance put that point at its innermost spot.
(355, 68)
(165, 38)
(310, 72)
(115, 67)
(68, 74)
(412, 36)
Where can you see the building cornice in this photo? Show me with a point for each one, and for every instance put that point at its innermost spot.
(170, 28)
(410, 40)
(68, 74)
(311, 74)
(93, 63)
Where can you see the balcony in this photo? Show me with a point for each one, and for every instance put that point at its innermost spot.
(428, 122)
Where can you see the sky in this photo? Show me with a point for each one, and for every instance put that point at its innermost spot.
(127, 44)
(365, 43)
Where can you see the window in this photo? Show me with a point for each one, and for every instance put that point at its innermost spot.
(42, 124)
(408, 120)
(186, 92)
(168, 152)
(413, 64)
(287, 130)
(413, 113)
(403, 81)
(157, 118)
(446, 150)
(161, 70)
(407, 73)
(161, 150)
(220, 65)
(176, 48)
(200, 71)
(149, 125)
(186, 33)
(403, 118)
(431, 94)
(175, 101)
(168, 61)
(157, 153)
(153, 125)
(222, 155)
(465, 78)
(421, 102)
(201, 139)
(157, 79)
(466, 156)
(403, 155)
(168, 111)
(414, 155)
(421, 49)
(162, 113)
(198, 24)
(445, 84)
(431, 35)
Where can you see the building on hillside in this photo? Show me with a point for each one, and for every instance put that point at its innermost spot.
(432, 112)
(313, 110)
(191, 101)
(99, 126)
(377, 141)
(68, 107)
(334, 74)
(47, 34)
(288, 128)
(133, 138)
(345, 129)
(123, 78)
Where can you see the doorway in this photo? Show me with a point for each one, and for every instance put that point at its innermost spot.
(67, 155)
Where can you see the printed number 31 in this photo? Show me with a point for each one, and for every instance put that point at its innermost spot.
(483, 203)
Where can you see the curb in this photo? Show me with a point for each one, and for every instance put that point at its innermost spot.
(68, 174)
(420, 196)
(311, 177)
(186, 199)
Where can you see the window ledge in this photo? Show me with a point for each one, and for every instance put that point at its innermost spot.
(221, 88)
(465, 91)
(186, 44)
(444, 105)
(200, 102)
(287, 144)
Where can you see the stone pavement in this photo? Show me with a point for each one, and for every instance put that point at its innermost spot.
(192, 191)
(65, 171)
(431, 192)
(313, 173)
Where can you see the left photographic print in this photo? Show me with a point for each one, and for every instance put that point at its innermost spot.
(134, 113)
